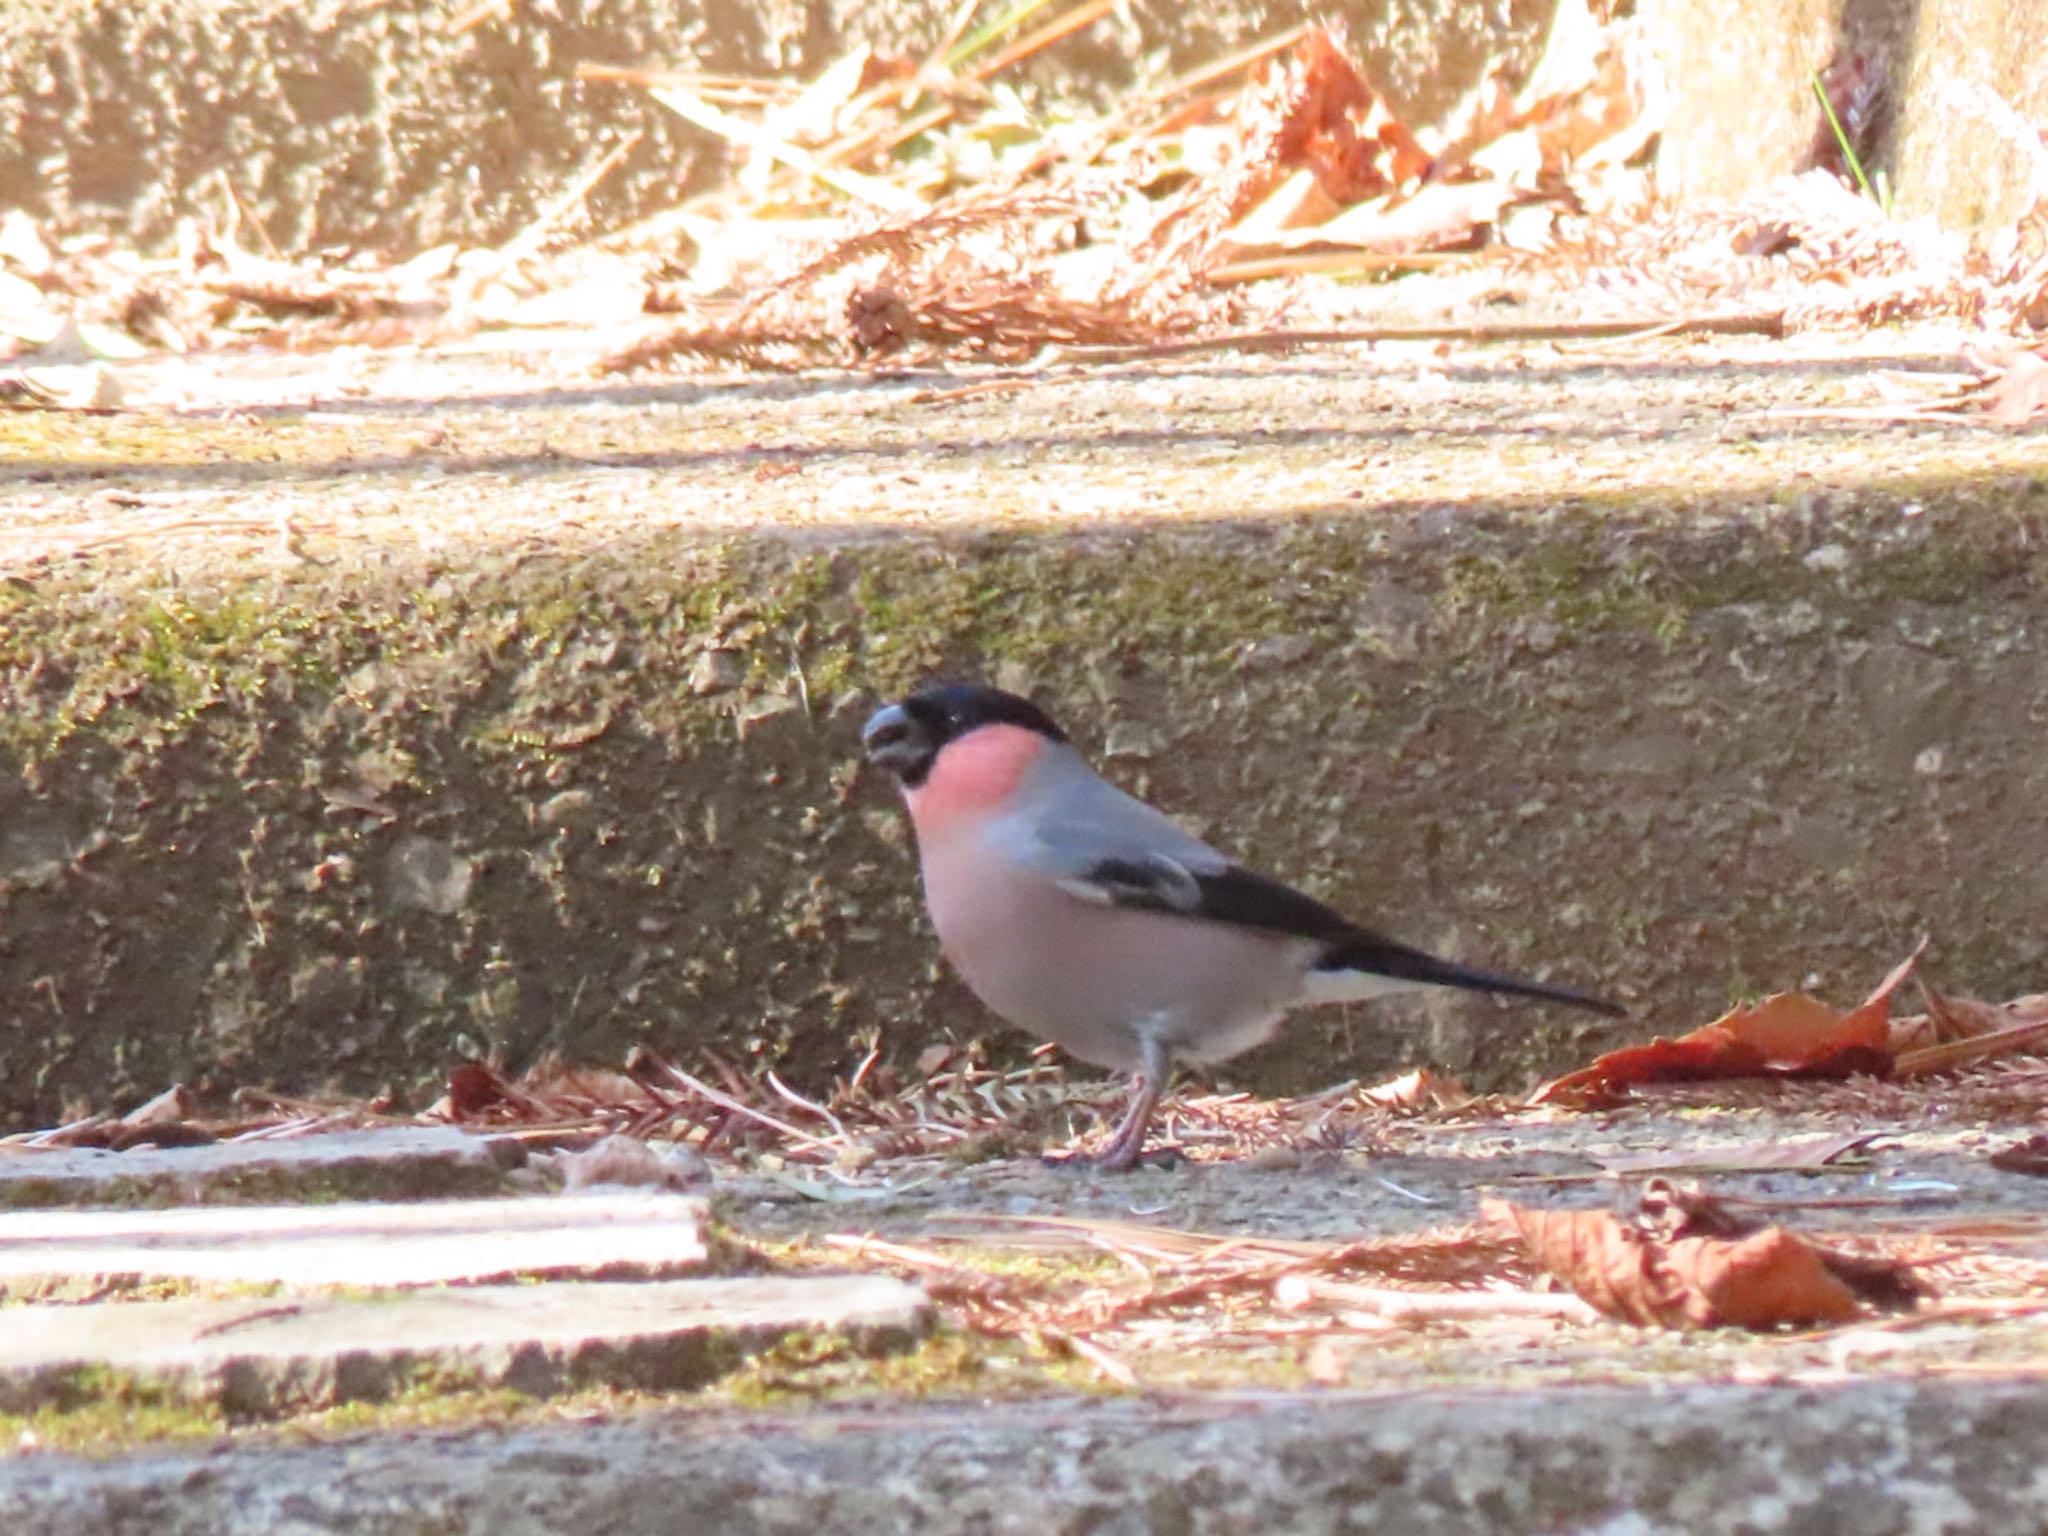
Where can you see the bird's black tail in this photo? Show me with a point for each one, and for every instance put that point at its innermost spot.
(1374, 956)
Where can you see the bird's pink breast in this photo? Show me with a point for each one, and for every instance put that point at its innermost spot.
(972, 777)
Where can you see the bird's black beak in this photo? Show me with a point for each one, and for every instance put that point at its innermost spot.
(893, 739)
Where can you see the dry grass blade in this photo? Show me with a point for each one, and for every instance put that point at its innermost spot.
(2014, 1039)
(872, 190)
(20, 392)
(1298, 1291)
(1111, 1366)
(1080, 18)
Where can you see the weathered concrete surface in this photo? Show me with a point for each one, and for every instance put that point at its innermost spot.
(1411, 1174)
(1974, 146)
(374, 125)
(265, 1356)
(1958, 128)
(1579, 663)
(1631, 682)
(402, 1163)
(427, 1243)
(1907, 1458)
(341, 122)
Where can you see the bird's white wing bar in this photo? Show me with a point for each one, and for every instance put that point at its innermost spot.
(1149, 880)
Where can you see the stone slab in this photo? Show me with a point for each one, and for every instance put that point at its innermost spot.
(396, 1163)
(366, 1244)
(1849, 1458)
(261, 1356)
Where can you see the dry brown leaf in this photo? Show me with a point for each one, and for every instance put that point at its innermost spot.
(1757, 1279)
(1761, 1281)
(1947, 1019)
(1310, 111)
(2029, 1156)
(1786, 1035)
(474, 1088)
(1855, 87)
(174, 1106)
(1601, 1259)
(2019, 393)
(1419, 1089)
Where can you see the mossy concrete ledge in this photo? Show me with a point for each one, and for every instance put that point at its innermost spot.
(346, 822)
(1851, 1459)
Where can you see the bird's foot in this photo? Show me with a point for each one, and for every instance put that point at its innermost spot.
(1112, 1159)
(1128, 1141)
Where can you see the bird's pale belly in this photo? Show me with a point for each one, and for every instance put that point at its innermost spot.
(1096, 979)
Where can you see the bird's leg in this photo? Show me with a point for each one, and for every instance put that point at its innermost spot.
(1146, 1087)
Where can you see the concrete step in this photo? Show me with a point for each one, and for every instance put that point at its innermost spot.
(263, 1356)
(604, 1232)
(386, 1163)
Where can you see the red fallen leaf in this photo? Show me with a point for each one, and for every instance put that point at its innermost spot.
(1760, 1279)
(1786, 1035)
(474, 1088)
(1327, 118)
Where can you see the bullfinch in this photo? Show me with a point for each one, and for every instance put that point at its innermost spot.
(1084, 916)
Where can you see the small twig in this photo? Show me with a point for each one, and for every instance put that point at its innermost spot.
(790, 1096)
(1957, 1053)
(694, 109)
(972, 391)
(860, 1072)
(243, 213)
(528, 240)
(477, 14)
(863, 1244)
(934, 66)
(1220, 69)
(1088, 1350)
(732, 1105)
(229, 1325)
(1760, 323)
(1330, 264)
(1079, 18)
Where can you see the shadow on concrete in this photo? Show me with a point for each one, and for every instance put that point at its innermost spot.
(939, 382)
(543, 464)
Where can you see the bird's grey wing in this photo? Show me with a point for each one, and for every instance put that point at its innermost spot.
(1244, 898)
(1103, 846)
(1218, 892)
(1106, 847)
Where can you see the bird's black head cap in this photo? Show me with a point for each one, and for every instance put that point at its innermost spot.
(905, 738)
